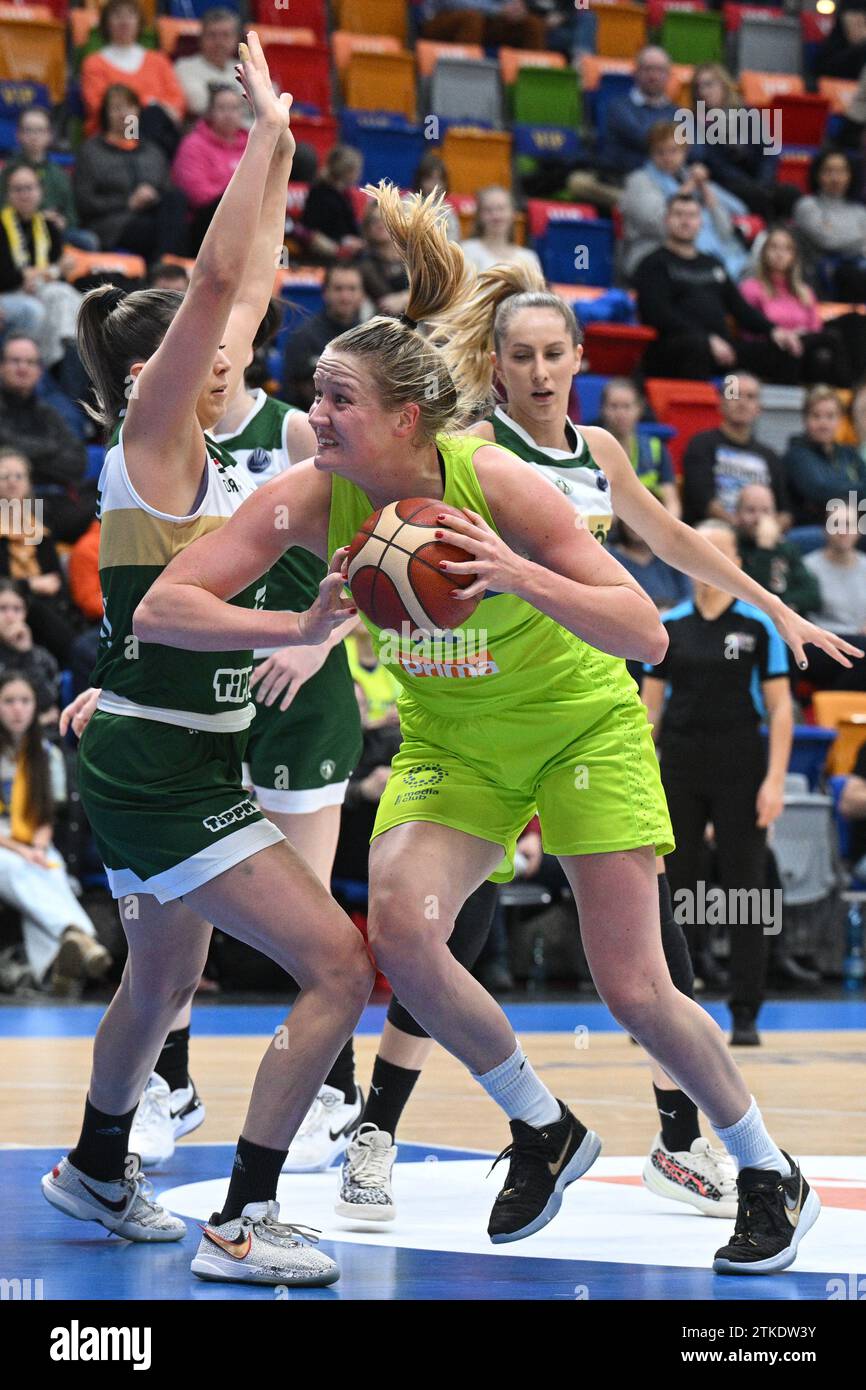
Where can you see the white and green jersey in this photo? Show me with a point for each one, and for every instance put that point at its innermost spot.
(259, 448)
(574, 471)
(196, 690)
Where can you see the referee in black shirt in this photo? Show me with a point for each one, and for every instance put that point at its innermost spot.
(726, 668)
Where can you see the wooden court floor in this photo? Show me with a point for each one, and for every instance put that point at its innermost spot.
(810, 1086)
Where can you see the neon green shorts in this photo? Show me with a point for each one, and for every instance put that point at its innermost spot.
(589, 769)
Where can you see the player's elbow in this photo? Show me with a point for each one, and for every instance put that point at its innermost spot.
(657, 645)
(145, 619)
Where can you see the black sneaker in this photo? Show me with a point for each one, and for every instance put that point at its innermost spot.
(543, 1163)
(744, 1030)
(773, 1215)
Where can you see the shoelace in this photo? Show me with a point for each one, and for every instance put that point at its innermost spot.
(727, 1170)
(283, 1232)
(142, 1191)
(370, 1168)
(759, 1204)
(529, 1147)
(150, 1105)
(312, 1120)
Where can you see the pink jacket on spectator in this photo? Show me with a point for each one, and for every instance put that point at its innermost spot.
(204, 163)
(783, 308)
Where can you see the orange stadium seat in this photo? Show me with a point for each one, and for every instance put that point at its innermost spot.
(344, 45)
(511, 60)
(621, 29)
(275, 33)
(844, 711)
(428, 52)
(33, 47)
(304, 14)
(688, 406)
(81, 25)
(763, 88)
(680, 85)
(838, 91)
(382, 82)
(475, 157)
(105, 263)
(177, 37)
(593, 68)
(375, 17)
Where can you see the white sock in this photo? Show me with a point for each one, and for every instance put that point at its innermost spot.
(518, 1091)
(749, 1143)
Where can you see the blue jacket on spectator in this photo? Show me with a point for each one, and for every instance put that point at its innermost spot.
(629, 123)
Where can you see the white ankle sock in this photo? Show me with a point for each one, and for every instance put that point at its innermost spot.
(749, 1143)
(518, 1091)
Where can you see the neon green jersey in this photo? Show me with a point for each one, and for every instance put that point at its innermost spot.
(506, 653)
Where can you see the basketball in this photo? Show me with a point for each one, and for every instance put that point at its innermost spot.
(393, 567)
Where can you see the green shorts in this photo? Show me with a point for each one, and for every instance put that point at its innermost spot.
(299, 760)
(166, 804)
(589, 769)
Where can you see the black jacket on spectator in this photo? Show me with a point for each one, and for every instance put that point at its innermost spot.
(303, 349)
(330, 212)
(105, 176)
(679, 294)
(716, 466)
(11, 278)
(57, 456)
(40, 668)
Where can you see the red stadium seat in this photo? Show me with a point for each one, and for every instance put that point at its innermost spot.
(304, 14)
(735, 14)
(615, 349)
(803, 117)
(539, 210)
(657, 9)
(688, 406)
(794, 168)
(304, 71)
(322, 132)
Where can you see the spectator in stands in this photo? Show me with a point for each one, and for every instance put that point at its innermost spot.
(766, 557)
(207, 158)
(85, 590)
(622, 406)
(852, 805)
(28, 554)
(32, 262)
(382, 269)
(329, 214)
(630, 120)
(122, 185)
(843, 52)
(570, 27)
(493, 243)
(377, 691)
(490, 23)
(858, 419)
(840, 569)
(214, 64)
(645, 198)
(343, 294)
(779, 291)
(18, 652)
(818, 468)
(57, 457)
(665, 585)
(59, 938)
(123, 60)
(168, 275)
(716, 770)
(35, 137)
(718, 464)
(689, 299)
(831, 226)
(740, 166)
(431, 176)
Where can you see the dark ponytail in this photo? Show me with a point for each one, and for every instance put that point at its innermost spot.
(116, 329)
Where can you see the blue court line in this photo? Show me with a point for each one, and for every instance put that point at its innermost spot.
(248, 1020)
(78, 1260)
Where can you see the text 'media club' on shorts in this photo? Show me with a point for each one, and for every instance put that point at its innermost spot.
(596, 791)
(167, 805)
(299, 760)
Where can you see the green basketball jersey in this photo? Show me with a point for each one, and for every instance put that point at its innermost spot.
(575, 472)
(259, 448)
(198, 690)
(506, 653)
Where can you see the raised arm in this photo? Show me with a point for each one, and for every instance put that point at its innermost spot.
(687, 550)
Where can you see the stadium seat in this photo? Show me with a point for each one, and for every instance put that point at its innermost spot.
(375, 17)
(548, 97)
(33, 49)
(539, 211)
(344, 44)
(392, 146)
(616, 349)
(467, 90)
(693, 36)
(511, 60)
(95, 460)
(302, 291)
(781, 415)
(428, 53)
(657, 9)
(680, 85)
(845, 712)
(806, 538)
(794, 168)
(769, 45)
(689, 406)
(578, 252)
(584, 404)
(275, 33)
(81, 25)
(803, 117)
(763, 88)
(621, 29)
(306, 14)
(104, 263)
(592, 69)
(614, 86)
(304, 71)
(14, 97)
(381, 82)
(838, 92)
(186, 9)
(177, 37)
(734, 14)
(319, 131)
(475, 158)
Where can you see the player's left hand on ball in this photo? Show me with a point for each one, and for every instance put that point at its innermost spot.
(497, 567)
(331, 608)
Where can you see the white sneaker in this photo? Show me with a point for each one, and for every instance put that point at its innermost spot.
(704, 1178)
(256, 1248)
(365, 1194)
(324, 1132)
(162, 1117)
(124, 1207)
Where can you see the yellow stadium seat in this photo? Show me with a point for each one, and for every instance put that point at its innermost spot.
(762, 88)
(428, 52)
(680, 85)
(844, 711)
(511, 60)
(475, 158)
(374, 17)
(381, 82)
(33, 50)
(839, 91)
(344, 44)
(278, 33)
(621, 30)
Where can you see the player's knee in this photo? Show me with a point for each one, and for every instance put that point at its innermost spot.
(347, 971)
(154, 993)
(635, 1004)
(391, 931)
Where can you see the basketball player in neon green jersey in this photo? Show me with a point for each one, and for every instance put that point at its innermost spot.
(160, 761)
(479, 756)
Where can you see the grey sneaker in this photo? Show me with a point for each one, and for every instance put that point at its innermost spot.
(366, 1193)
(257, 1248)
(125, 1207)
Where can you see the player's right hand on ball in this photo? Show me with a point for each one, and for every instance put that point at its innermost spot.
(331, 608)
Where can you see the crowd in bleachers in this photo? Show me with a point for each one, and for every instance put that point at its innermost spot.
(690, 176)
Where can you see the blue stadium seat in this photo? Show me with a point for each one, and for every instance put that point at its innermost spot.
(392, 146)
(14, 96)
(612, 87)
(194, 9)
(586, 393)
(809, 752)
(578, 252)
(95, 460)
(807, 538)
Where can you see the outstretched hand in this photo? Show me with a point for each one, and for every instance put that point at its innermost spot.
(255, 78)
(799, 633)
